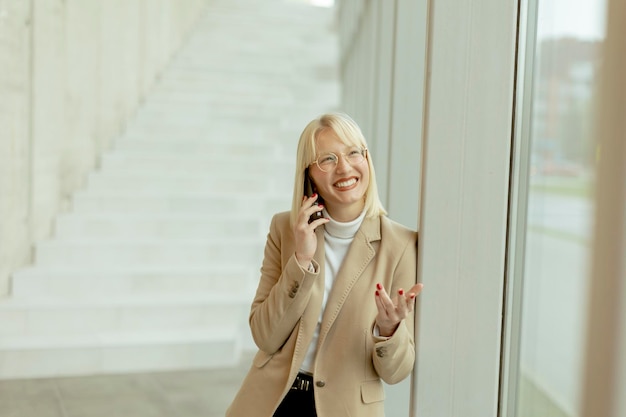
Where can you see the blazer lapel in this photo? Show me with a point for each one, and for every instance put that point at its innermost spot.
(311, 313)
(358, 257)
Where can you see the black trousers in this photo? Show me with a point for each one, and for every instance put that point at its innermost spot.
(299, 401)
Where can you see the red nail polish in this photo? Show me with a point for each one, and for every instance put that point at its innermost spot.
(380, 287)
(314, 195)
(377, 294)
(401, 291)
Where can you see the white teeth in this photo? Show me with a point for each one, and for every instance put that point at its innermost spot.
(346, 183)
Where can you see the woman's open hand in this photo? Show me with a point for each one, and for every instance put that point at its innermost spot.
(391, 311)
(304, 232)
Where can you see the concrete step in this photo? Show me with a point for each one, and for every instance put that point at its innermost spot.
(163, 116)
(183, 91)
(109, 353)
(193, 165)
(87, 283)
(35, 317)
(186, 100)
(127, 226)
(200, 146)
(245, 135)
(263, 176)
(105, 253)
(239, 80)
(243, 181)
(206, 130)
(182, 202)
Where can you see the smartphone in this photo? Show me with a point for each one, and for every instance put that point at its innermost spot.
(308, 191)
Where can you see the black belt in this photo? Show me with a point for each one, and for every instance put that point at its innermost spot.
(303, 382)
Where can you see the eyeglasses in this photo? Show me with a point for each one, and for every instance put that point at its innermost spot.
(328, 161)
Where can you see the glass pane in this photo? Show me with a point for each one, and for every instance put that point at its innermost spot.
(560, 207)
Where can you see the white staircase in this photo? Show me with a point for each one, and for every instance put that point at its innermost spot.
(155, 265)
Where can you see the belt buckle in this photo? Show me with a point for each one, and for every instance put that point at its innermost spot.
(301, 384)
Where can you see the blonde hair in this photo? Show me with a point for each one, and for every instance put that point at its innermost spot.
(350, 134)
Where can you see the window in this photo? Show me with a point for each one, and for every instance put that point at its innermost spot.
(555, 199)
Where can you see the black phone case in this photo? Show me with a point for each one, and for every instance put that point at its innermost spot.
(309, 191)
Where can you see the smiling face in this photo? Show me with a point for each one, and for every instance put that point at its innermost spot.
(343, 188)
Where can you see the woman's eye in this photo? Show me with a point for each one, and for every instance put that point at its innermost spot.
(327, 159)
(354, 152)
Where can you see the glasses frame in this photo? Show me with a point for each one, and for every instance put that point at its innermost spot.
(341, 155)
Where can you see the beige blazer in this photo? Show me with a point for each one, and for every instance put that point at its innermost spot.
(351, 361)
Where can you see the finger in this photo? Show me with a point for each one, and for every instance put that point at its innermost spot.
(311, 199)
(415, 290)
(402, 307)
(308, 201)
(385, 299)
(411, 296)
(319, 222)
(313, 209)
(379, 304)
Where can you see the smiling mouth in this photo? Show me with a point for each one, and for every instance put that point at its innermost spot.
(346, 183)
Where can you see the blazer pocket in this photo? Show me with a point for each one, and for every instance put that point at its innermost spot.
(372, 391)
(261, 359)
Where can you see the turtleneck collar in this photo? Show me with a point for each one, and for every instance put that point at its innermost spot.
(343, 230)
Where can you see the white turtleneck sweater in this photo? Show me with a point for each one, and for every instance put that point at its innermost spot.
(337, 239)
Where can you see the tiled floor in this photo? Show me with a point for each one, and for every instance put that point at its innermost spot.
(172, 394)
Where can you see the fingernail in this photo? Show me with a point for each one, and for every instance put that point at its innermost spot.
(377, 294)
(320, 205)
(412, 296)
(314, 195)
(401, 291)
(380, 287)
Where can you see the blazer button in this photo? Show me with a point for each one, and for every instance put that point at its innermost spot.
(320, 384)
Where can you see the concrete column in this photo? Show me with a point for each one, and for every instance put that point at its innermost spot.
(605, 374)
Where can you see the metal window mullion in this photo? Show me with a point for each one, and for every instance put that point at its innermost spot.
(518, 208)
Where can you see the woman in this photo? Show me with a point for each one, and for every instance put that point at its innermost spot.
(333, 312)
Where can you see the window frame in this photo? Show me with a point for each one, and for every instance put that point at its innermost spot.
(519, 195)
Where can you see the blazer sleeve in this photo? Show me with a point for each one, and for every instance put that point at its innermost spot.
(283, 291)
(394, 357)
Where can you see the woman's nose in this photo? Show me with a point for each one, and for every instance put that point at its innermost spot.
(342, 163)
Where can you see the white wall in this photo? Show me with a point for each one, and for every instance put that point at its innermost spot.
(382, 58)
(73, 72)
(15, 109)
